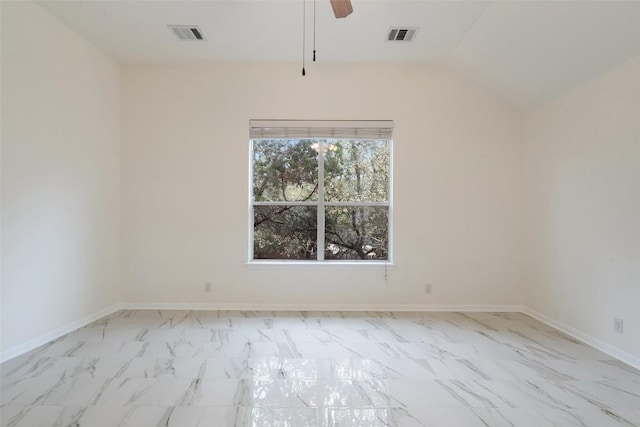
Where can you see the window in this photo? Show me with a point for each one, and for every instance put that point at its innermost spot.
(320, 190)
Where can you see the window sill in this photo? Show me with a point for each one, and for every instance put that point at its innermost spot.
(320, 265)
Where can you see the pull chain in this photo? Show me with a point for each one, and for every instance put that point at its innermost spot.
(304, 21)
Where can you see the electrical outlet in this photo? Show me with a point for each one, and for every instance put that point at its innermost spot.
(427, 288)
(207, 287)
(618, 325)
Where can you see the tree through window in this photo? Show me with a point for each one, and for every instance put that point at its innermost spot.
(320, 198)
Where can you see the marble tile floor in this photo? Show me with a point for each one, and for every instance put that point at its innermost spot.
(218, 368)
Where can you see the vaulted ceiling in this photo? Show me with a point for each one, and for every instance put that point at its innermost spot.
(527, 51)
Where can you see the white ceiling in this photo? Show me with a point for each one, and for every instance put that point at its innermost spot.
(525, 50)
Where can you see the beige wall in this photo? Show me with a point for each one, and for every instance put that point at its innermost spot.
(582, 156)
(60, 176)
(489, 209)
(185, 195)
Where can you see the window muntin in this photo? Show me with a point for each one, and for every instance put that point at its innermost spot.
(307, 209)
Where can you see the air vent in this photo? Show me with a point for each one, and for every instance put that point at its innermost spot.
(187, 32)
(401, 34)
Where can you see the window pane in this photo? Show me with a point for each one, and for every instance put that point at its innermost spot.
(285, 170)
(356, 171)
(356, 232)
(285, 232)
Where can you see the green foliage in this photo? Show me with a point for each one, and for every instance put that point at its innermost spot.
(285, 232)
(354, 171)
(356, 232)
(284, 170)
(357, 171)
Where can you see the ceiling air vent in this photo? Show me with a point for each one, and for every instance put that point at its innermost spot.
(401, 34)
(187, 32)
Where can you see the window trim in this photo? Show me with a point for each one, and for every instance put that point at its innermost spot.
(320, 203)
(276, 264)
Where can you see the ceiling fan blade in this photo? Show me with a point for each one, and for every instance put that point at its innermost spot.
(341, 8)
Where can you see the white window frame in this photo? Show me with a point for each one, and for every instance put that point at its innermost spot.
(321, 204)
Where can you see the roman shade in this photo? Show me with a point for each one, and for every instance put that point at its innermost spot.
(346, 129)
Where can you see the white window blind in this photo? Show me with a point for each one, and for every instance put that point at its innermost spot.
(347, 129)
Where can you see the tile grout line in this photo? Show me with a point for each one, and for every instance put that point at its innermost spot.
(598, 344)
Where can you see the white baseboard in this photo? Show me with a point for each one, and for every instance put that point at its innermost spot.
(319, 307)
(596, 343)
(56, 333)
(579, 335)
